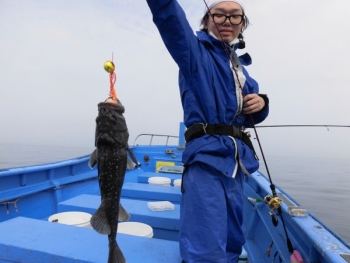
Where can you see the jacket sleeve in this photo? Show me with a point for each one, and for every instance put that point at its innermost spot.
(175, 31)
(260, 116)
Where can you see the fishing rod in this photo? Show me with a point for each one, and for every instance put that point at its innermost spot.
(301, 125)
(274, 202)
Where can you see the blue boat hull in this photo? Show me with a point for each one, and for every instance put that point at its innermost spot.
(29, 195)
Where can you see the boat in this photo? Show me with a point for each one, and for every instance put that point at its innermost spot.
(33, 200)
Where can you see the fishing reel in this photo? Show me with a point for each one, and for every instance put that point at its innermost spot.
(274, 203)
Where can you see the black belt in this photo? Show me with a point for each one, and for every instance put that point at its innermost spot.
(200, 129)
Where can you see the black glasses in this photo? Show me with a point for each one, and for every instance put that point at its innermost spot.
(234, 19)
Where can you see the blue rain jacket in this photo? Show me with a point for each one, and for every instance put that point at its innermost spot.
(207, 89)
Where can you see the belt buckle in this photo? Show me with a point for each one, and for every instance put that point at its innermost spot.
(236, 132)
(234, 135)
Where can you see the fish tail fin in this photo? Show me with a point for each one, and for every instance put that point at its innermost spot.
(123, 214)
(99, 221)
(115, 254)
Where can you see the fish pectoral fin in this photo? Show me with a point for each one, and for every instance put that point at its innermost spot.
(123, 214)
(99, 221)
(115, 254)
(130, 164)
(93, 159)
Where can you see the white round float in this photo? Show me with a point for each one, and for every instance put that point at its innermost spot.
(79, 219)
(135, 229)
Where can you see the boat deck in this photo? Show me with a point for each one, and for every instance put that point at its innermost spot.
(165, 224)
(39, 241)
(151, 192)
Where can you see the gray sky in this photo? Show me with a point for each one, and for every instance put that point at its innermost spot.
(52, 77)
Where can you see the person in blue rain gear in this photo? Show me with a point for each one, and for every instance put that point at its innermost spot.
(219, 98)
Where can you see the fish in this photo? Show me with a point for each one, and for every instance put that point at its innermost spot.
(111, 142)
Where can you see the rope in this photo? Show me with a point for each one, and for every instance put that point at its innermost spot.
(112, 92)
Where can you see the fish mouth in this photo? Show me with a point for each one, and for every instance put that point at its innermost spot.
(112, 106)
(111, 128)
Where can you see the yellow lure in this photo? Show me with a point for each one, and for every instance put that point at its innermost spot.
(109, 66)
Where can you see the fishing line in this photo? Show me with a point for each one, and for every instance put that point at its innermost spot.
(272, 186)
(306, 125)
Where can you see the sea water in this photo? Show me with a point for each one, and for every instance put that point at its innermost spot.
(13, 155)
(321, 185)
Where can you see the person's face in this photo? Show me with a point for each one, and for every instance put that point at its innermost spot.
(227, 31)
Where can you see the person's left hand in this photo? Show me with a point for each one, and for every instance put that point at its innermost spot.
(252, 103)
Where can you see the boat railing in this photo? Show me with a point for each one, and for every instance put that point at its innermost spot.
(166, 137)
(42, 167)
(29, 180)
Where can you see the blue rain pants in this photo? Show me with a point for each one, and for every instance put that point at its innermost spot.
(211, 216)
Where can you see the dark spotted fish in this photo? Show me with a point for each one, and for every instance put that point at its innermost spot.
(111, 139)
